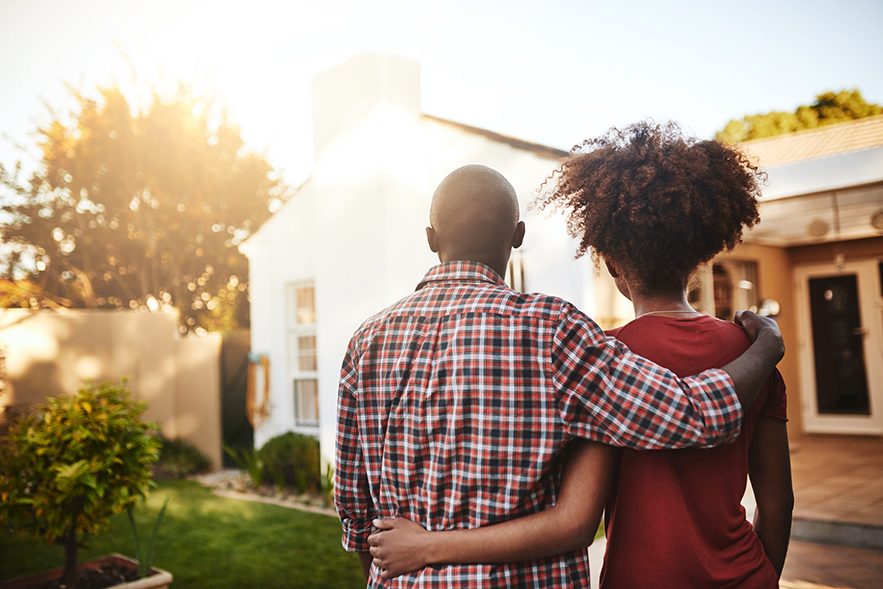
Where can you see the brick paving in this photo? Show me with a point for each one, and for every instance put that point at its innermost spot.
(824, 566)
(838, 478)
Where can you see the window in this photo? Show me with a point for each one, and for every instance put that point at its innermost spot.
(725, 287)
(302, 359)
(515, 272)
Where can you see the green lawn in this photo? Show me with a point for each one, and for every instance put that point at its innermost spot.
(208, 542)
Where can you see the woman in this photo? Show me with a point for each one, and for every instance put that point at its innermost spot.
(654, 206)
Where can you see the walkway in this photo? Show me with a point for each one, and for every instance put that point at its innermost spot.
(838, 478)
(838, 488)
(818, 566)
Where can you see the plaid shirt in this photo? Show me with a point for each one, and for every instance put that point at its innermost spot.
(455, 404)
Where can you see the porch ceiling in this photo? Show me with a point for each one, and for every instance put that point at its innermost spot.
(811, 218)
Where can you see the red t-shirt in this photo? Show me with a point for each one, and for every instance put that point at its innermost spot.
(674, 518)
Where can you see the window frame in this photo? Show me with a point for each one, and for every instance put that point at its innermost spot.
(294, 330)
(701, 290)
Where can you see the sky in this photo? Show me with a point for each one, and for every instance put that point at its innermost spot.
(553, 72)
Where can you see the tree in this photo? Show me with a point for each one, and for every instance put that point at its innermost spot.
(829, 108)
(139, 209)
(78, 460)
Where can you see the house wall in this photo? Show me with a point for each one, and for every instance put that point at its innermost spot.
(357, 230)
(857, 249)
(49, 353)
(775, 281)
(285, 251)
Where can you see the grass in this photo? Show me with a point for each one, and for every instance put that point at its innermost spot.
(211, 542)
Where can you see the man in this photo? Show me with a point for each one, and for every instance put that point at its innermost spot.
(456, 402)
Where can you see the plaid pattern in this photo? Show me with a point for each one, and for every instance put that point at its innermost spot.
(455, 403)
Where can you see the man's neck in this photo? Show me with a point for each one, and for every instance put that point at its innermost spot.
(495, 264)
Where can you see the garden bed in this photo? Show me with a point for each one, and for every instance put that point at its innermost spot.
(233, 484)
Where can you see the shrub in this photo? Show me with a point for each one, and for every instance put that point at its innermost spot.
(179, 458)
(73, 463)
(328, 486)
(247, 459)
(292, 461)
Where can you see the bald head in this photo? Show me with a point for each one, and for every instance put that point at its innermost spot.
(474, 216)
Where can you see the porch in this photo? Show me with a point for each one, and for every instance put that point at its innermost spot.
(838, 485)
(837, 535)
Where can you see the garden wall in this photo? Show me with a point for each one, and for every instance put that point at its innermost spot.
(48, 353)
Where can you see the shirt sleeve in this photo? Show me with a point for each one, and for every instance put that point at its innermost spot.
(609, 394)
(352, 496)
(776, 405)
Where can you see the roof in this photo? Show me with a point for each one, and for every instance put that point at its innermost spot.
(866, 133)
(537, 148)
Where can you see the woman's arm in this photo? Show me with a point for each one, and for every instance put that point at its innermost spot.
(769, 466)
(402, 546)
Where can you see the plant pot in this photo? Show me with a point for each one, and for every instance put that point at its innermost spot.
(158, 579)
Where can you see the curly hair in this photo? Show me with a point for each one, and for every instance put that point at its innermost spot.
(657, 203)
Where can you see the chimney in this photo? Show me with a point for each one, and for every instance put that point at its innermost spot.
(346, 94)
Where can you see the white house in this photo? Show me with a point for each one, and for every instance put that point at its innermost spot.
(351, 241)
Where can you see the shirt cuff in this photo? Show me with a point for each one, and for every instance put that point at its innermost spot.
(355, 534)
(720, 407)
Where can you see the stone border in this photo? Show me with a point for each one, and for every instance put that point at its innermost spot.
(287, 503)
(836, 532)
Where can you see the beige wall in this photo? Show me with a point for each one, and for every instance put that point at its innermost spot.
(198, 393)
(859, 249)
(775, 282)
(52, 352)
(824, 253)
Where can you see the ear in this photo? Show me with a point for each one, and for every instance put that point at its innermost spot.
(612, 268)
(518, 235)
(432, 239)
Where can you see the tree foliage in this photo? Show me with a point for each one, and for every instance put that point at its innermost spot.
(829, 108)
(65, 470)
(139, 209)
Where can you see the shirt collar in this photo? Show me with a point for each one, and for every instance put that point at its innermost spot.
(462, 271)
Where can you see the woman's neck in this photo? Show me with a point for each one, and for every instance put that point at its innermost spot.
(674, 304)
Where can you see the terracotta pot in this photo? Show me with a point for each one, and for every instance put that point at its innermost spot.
(158, 579)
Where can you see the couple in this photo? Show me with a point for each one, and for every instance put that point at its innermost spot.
(482, 431)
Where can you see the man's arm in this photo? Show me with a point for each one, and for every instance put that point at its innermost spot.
(611, 395)
(352, 495)
(401, 546)
(751, 370)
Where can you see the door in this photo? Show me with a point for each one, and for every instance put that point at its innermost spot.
(841, 366)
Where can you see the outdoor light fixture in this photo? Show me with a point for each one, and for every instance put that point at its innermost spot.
(817, 228)
(769, 308)
(877, 220)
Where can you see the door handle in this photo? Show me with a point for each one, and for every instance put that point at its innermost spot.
(860, 331)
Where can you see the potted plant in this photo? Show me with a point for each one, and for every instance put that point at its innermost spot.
(66, 468)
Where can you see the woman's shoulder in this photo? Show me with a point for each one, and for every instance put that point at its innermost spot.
(699, 332)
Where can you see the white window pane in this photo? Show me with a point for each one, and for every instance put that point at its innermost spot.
(306, 401)
(305, 297)
(306, 353)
